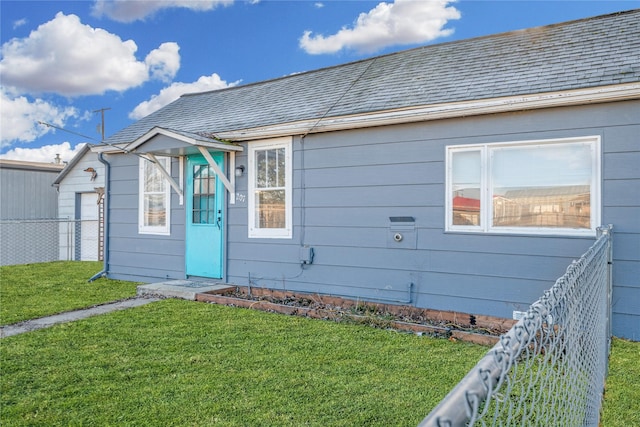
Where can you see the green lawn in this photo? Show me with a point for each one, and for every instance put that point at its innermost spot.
(622, 395)
(35, 290)
(180, 363)
(177, 362)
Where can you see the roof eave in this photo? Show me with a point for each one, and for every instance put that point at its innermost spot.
(108, 148)
(601, 94)
(195, 140)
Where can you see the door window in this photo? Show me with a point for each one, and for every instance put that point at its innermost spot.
(204, 195)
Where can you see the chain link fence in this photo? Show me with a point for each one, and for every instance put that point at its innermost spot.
(26, 241)
(550, 368)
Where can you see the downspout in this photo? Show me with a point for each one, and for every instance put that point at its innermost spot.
(105, 218)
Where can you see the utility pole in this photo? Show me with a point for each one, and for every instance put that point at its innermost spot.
(101, 111)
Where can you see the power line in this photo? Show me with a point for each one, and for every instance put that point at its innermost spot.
(102, 110)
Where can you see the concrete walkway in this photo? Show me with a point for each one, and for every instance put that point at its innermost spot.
(45, 322)
(184, 289)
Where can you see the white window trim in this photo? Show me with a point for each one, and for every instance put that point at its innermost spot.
(486, 209)
(159, 230)
(271, 233)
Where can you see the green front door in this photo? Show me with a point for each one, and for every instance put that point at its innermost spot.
(205, 221)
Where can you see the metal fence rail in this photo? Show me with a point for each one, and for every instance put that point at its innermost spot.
(550, 368)
(25, 241)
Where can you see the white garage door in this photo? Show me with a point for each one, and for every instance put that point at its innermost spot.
(89, 227)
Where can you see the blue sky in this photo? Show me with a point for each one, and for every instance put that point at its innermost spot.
(63, 60)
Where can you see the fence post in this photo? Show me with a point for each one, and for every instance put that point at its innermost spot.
(610, 290)
(608, 231)
(69, 240)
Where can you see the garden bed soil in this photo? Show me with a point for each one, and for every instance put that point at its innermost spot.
(478, 329)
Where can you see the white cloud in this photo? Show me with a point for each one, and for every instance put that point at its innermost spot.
(402, 22)
(69, 58)
(45, 154)
(133, 10)
(19, 23)
(163, 63)
(19, 118)
(173, 92)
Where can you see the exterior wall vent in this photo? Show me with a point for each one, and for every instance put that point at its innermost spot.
(402, 232)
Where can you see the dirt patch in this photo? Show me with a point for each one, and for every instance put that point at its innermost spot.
(452, 325)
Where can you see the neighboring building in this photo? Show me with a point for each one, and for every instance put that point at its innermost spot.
(25, 189)
(81, 195)
(27, 205)
(462, 176)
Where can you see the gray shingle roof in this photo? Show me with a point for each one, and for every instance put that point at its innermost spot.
(598, 51)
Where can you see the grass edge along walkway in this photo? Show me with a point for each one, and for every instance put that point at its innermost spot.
(71, 316)
(177, 362)
(31, 291)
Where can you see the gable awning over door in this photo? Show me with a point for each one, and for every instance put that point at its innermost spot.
(170, 142)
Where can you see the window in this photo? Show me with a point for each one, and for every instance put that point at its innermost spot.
(204, 195)
(154, 197)
(533, 187)
(270, 201)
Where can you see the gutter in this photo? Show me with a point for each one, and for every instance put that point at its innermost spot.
(571, 97)
(105, 249)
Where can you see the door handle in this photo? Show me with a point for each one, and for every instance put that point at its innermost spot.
(219, 220)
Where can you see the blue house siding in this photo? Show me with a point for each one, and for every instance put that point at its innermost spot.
(348, 184)
(134, 256)
(354, 170)
(354, 181)
(622, 208)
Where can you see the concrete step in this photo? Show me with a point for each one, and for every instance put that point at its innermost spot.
(183, 289)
